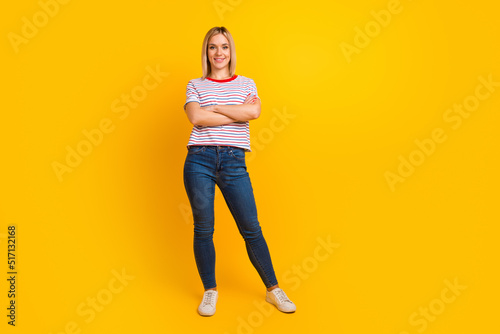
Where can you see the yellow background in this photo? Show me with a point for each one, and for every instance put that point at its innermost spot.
(320, 175)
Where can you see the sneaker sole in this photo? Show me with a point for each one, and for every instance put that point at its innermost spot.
(271, 302)
(206, 314)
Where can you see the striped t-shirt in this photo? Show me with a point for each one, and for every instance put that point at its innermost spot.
(228, 91)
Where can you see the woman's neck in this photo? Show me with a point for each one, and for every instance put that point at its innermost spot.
(220, 75)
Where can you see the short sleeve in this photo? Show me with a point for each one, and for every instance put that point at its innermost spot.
(253, 88)
(191, 94)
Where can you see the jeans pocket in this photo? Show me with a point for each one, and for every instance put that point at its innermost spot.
(195, 149)
(237, 153)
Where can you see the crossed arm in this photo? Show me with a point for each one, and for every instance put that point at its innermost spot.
(223, 114)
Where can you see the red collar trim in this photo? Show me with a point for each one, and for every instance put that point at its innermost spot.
(224, 80)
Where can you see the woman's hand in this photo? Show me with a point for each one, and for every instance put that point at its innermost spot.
(250, 99)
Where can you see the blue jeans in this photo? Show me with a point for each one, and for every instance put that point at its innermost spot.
(206, 166)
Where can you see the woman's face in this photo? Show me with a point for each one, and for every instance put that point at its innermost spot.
(218, 51)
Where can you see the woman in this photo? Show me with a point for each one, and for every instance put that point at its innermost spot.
(220, 105)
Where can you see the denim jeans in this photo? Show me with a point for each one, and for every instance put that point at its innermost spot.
(224, 166)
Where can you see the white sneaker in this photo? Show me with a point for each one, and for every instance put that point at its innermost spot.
(207, 306)
(279, 298)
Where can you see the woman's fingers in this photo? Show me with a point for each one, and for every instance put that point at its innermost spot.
(250, 99)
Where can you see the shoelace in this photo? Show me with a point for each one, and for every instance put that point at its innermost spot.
(281, 295)
(209, 298)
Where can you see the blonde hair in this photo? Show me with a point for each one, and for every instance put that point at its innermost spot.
(205, 63)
